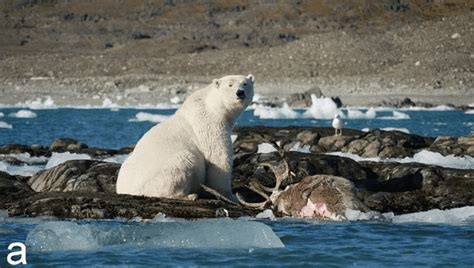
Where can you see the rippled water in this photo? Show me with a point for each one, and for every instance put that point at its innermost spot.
(306, 243)
(114, 129)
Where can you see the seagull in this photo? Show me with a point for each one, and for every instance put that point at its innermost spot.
(337, 125)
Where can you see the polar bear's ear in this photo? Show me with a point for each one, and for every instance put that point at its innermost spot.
(251, 78)
(215, 82)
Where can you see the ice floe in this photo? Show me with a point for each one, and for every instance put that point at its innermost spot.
(209, 233)
(395, 116)
(469, 111)
(461, 215)
(2, 114)
(321, 108)
(357, 114)
(265, 112)
(23, 114)
(5, 125)
(424, 157)
(154, 118)
(59, 158)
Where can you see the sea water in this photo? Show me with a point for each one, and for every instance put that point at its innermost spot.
(434, 238)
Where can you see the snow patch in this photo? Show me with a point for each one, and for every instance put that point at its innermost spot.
(154, 118)
(423, 157)
(402, 129)
(265, 148)
(59, 158)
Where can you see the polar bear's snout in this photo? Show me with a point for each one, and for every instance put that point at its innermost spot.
(240, 94)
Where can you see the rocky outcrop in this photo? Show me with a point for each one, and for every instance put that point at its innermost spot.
(79, 175)
(309, 184)
(447, 145)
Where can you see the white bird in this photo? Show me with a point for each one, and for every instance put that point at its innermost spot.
(337, 125)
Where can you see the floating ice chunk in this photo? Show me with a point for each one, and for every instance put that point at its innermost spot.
(23, 114)
(321, 108)
(5, 125)
(265, 148)
(366, 129)
(266, 214)
(396, 129)
(116, 158)
(154, 118)
(357, 215)
(23, 170)
(469, 111)
(59, 158)
(396, 116)
(2, 114)
(301, 148)
(356, 114)
(210, 233)
(284, 112)
(450, 216)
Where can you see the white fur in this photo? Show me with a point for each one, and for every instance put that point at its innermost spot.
(192, 147)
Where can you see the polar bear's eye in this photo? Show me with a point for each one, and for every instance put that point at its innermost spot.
(230, 85)
(245, 84)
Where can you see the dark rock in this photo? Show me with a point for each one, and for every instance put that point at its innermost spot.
(33, 150)
(140, 35)
(62, 144)
(446, 145)
(12, 188)
(106, 205)
(304, 99)
(77, 175)
(337, 101)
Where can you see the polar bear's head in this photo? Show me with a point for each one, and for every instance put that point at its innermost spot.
(236, 91)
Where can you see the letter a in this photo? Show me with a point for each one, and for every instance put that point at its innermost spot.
(21, 253)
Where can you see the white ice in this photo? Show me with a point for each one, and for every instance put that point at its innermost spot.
(469, 111)
(461, 215)
(59, 158)
(424, 157)
(357, 114)
(396, 116)
(297, 147)
(209, 233)
(396, 128)
(120, 158)
(265, 112)
(265, 148)
(22, 170)
(23, 114)
(39, 103)
(321, 108)
(2, 114)
(154, 118)
(108, 103)
(5, 125)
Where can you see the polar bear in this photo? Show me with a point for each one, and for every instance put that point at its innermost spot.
(192, 147)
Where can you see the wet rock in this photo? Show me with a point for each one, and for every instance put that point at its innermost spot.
(33, 150)
(65, 144)
(101, 205)
(334, 143)
(12, 188)
(447, 145)
(320, 196)
(77, 175)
